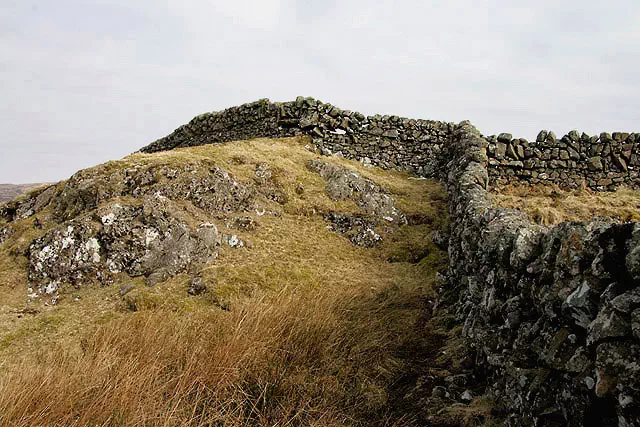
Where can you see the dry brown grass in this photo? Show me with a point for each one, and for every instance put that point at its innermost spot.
(308, 334)
(284, 359)
(549, 205)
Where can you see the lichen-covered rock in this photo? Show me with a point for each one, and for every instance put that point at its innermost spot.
(343, 183)
(197, 287)
(28, 205)
(204, 185)
(66, 254)
(153, 240)
(5, 233)
(633, 256)
(358, 229)
(378, 207)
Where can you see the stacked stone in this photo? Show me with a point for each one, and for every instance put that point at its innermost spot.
(255, 120)
(601, 162)
(391, 142)
(553, 315)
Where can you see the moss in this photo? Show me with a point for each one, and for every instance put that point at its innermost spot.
(41, 325)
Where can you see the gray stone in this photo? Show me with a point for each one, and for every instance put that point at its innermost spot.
(501, 150)
(608, 324)
(595, 163)
(627, 302)
(542, 136)
(343, 183)
(505, 138)
(197, 287)
(574, 136)
(635, 323)
(620, 163)
(392, 133)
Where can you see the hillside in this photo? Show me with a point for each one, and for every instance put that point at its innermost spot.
(248, 283)
(298, 264)
(11, 191)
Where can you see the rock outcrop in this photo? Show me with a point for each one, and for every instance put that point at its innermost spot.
(152, 220)
(153, 240)
(376, 204)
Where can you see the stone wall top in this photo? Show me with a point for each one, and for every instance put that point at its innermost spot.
(383, 140)
(601, 162)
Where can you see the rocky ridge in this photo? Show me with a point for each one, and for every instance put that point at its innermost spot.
(156, 219)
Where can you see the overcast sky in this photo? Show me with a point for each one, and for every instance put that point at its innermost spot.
(86, 81)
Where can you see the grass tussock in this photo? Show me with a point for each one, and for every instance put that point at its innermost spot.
(298, 327)
(321, 357)
(549, 205)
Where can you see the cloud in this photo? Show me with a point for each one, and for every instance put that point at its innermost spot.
(88, 81)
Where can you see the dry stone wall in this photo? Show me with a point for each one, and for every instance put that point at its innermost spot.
(552, 314)
(601, 162)
(388, 141)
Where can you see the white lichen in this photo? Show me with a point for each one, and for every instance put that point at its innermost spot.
(46, 253)
(93, 248)
(51, 288)
(235, 242)
(108, 219)
(150, 235)
(67, 241)
(112, 266)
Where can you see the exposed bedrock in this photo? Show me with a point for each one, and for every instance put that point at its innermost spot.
(153, 240)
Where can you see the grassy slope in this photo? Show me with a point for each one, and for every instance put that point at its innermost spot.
(549, 205)
(317, 333)
(313, 334)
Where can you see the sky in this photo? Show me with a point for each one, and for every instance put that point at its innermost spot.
(86, 81)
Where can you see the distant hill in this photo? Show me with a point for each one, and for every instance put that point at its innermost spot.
(11, 191)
